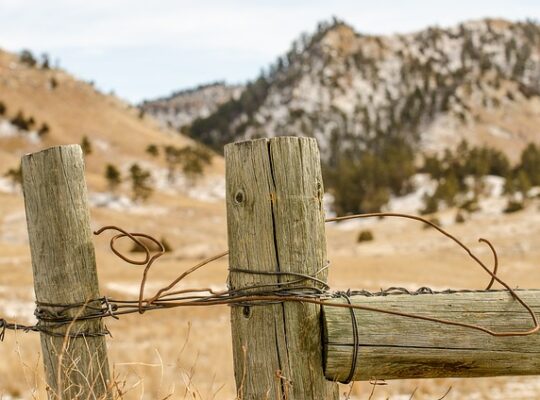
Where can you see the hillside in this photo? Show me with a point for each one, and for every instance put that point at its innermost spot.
(478, 81)
(181, 108)
(73, 109)
(116, 134)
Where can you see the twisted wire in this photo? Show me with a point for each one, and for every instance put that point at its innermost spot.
(301, 289)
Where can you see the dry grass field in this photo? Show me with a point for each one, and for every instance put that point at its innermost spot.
(186, 353)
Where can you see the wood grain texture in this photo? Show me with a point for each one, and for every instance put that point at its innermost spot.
(276, 223)
(64, 267)
(394, 347)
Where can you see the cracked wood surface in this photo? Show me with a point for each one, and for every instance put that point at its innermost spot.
(276, 223)
(64, 268)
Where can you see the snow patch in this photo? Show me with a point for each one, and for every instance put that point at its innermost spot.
(499, 132)
(208, 189)
(492, 205)
(494, 186)
(414, 201)
(23, 311)
(11, 308)
(7, 129)
(534, 192)
(212, 190)
(101, 144)
(123, 204)
(7, 186)
(32, 137)
(328, 204)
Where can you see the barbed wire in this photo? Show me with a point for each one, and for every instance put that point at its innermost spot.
(301, 289)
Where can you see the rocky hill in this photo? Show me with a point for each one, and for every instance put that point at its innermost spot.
(478, 81)
(182, 107)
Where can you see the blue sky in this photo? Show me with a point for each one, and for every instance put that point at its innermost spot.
(143, 49)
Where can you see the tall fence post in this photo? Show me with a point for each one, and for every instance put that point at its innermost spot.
(64, 267)
(276, 225)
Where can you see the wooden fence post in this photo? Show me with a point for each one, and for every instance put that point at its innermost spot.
(276, 224)
(64, 267)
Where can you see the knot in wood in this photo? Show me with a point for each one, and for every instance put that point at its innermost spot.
(239, 196)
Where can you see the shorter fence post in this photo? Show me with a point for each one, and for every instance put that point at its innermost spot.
(64, 267)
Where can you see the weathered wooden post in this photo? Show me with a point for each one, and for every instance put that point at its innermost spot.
(64, 268)
(276, 224)
(396, 347)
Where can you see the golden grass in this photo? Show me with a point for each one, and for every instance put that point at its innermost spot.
(186, 353)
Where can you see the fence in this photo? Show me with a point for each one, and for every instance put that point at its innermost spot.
(292, 338)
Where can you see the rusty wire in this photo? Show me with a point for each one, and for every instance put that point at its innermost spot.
(148, 260)
(493, 274)
(314, 291)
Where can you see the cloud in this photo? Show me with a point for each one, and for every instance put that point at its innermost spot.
(111, 24)
(184, 35)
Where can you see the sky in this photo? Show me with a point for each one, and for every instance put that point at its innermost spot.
(144, 49)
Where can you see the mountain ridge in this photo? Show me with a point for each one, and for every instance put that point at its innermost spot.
(181, 107)
(477, 81)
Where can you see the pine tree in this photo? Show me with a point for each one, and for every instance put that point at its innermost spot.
(448, 189)
(193, 160)
(43, 130)
(53, 83)
(15, 175)
(20, 121)
(86, 146)
(26, 57)
(45, 63)
(530, 163)
(523, 183)
(153, 150)
(509, 185)
(432, 166)
(172, 158)
(431, 205)
(460, 218)
(141, 182)
(113, 177)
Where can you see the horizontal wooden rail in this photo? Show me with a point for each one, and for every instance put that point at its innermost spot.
(396, 347)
